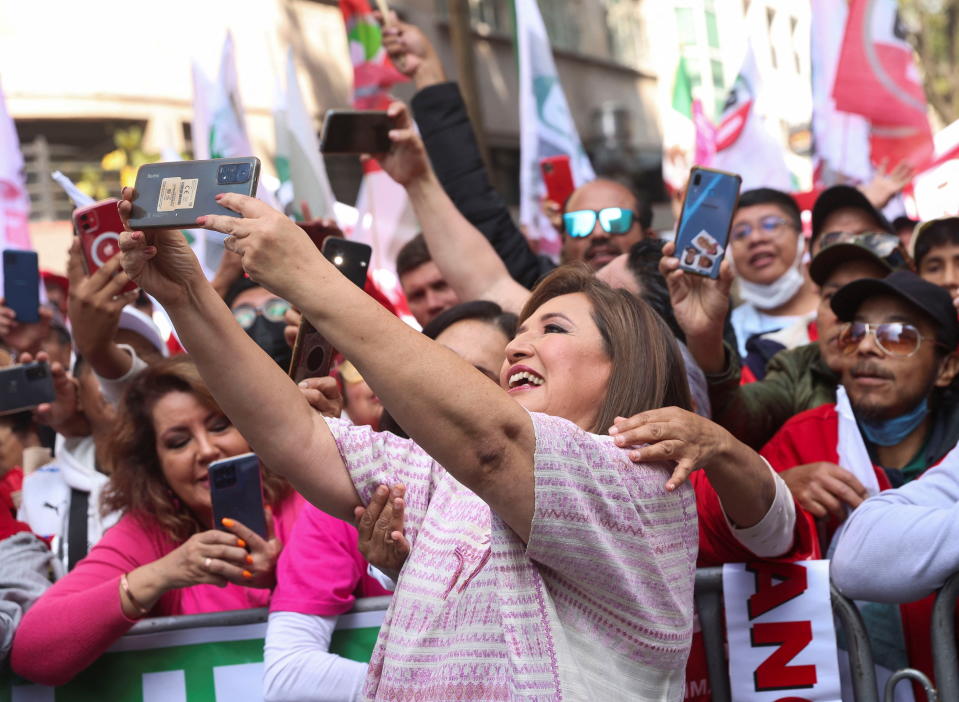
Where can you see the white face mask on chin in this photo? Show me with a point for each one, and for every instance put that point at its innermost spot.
(769, 296)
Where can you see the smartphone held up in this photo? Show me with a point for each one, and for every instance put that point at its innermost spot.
(21, 284)
(702, 233)
(236, 492)
(99, 226)
(172, 195)
(355, 132)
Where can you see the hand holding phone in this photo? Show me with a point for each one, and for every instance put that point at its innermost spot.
(99, 226)
(25, 386)
(312, 353)
(356, 132)
(172, 195)
(703, 229)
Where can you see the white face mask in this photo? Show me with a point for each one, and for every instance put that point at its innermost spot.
(769, 296)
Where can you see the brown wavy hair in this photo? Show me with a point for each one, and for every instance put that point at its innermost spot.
(137, 485)
(647, 367)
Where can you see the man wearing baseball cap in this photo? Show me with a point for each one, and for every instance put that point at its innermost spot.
(893, 419)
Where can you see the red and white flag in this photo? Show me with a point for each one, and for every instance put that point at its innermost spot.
(14, 200)
(744, 144)
(877, 77)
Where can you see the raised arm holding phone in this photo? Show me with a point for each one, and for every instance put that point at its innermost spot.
(498, 500)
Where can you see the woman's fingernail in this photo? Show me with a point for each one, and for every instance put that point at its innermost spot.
(218, 196)
(201, 220)
(249, 560)
(618, 440)
(241, 543)
(247, 574)
(227, 522)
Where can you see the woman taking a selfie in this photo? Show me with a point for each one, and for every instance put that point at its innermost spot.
(162, 557)
(543, 562)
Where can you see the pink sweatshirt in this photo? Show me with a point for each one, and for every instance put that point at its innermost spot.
(80, 617)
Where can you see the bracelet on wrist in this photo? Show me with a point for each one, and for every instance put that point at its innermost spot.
(125, 585)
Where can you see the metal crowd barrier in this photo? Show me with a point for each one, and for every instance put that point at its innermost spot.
(709, 600)
(944, 658)
(237, 617)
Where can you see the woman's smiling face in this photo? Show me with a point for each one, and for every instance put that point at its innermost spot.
(557, 363)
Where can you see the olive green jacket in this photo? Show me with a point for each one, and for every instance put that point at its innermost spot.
(796, 380)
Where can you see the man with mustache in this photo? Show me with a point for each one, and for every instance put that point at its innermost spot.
(894, 416)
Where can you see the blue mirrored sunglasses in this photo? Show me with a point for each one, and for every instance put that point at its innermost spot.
(613, 220)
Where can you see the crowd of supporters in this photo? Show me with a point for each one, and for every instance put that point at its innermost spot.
(534, 478)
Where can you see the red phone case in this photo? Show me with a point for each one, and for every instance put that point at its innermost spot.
(99, 226)
(558, 178)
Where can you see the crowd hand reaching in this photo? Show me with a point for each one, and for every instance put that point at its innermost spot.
(64, 414)
(159, 260)
(94, 305)
(406, 161)
(274, 250)
(823, 488)
(411, 52)
(23, 337)
(381, 525)
(672, 434)
(324, 395)
(885, 183)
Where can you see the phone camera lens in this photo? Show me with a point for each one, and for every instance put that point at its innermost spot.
(697, 179)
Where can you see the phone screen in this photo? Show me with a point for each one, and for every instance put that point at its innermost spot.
(355, 132)
(703, 230)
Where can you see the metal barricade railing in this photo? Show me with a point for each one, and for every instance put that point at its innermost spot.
(237, 617)
(709, 601)
(944, 657)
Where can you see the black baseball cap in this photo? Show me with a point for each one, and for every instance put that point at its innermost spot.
(930, 299)
(838, 197)
(885, 250)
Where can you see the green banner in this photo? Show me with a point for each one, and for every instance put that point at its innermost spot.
(203, 664)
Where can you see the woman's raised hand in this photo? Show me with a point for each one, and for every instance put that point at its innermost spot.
(672, 434)
(159, 260)
(274, 250)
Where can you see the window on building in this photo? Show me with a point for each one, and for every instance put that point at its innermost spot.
(686, 26)
(627, 37)
(712, 30)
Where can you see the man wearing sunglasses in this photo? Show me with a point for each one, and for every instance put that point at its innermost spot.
(602, 219)
(261, 314)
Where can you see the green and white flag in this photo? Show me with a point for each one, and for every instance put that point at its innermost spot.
(299, 164)
(546, 124)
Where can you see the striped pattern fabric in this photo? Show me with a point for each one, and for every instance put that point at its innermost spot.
(597, 606)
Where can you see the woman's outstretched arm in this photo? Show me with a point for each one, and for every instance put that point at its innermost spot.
(467, 424)
(263, 402)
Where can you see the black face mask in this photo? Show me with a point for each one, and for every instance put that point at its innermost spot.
(269, 337)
